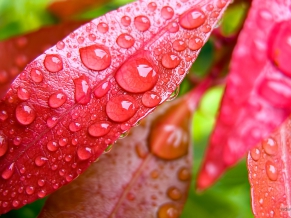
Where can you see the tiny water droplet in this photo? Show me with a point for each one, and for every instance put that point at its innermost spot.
(63, 142)
(15, 203)
(36, 75)
(8, 172)
(121, 108)
(23, 94)
(123, 135)
(75, 127)
(95, 57)
(179, 45)
(271, 171)
(173, 27)
(25, 114)
(52, 146)
(195, 43)
(108, 149)
(60, 45)
(255, 154)
(184, 174)
(170, 61)
(29, 190)
(40, 161)
(41, 193)
(53, 63)
(69, 178)
(4, 204)
(3, 115)
(221, 3)
(125, 40)
(16, 141)
(3, 145)
(137, 76)
(57, 99)
(151, 99)
(174, 193)
(99, 129)
(82, 90)
(125, 21)
(168, 210)
(81, 39)
(270, 146)
(52, 122)
(152, 6)
(167, 12)
(192, 19)
(68, 158)
(92, 37)
(155, 174)
(102, 89)
(102, 27)
(142, 23)
(174, 94)
(84, 153)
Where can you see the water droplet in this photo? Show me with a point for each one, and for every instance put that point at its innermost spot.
(102, 89)
(52, 146)
(99, 129)
(173, 27)
(125, 40)
(255, 154)
(276, 91)
(195, 43)
(69, 178)
(29, 190)
(54, 167)
(174, 193)
(15, 203)
(21, 41)
(95, 57)
(53, 63)
(184, 174)
(141, 150)
(151, 99)
(125, 21)
(40, 161)
(209, 7)
(170, 61)
(279, 47)
(16, 141)
(84, 153)
(272, 171)
(62, 172)
(23, 94)
(108, 148)
(82, 90)
(168, 210)
(36, 75)
(92, 37)
(130, 196)
(123, 135)
(102, 27)
(152, 6)
(137, 76)
(75, 127)
(142, 23)
(52, 122)
(57, 99)
(192, 19)
(221, 3)
(179, 45)
(3, 145)
(68, 158)
(121, 108)
(41, 182)
(174, 94)
(25, 114)
(60, 45)
(81, 39)
(8, 172)
(3, 115)
(41, 193)
(63, 142)
(4, 204)
(167, 12)
(270, 146)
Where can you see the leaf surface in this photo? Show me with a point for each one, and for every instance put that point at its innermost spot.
(77, 98)
(258, 95)
(269, 174)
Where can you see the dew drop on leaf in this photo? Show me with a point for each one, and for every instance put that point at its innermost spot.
(41, 182)
(36, 75)
(41, 193)
(271, 171)
(192, 19)
(270, 146)
(84, 153)
(184, 174)
(8, 172)
(174, 193)
(108, 149)
(125, 21)
(29, 190)
(57, 99)
(255, 154)
(3, 145)
(170, 61)
(52, 146)
(123, 135)
(102, 89)
(136, 76)
(167, 12)
(82, 90)
(142, 23)
(3, 115)
(168, 210)
(52, 122)
(174, 94)
(195, 43)
(40, 161)
(102, 27)
(150, 99)
(15, 203)
(25, 114)
(53, 63)
(173, 27)
(152, 6)
(60, 45)
(75, 126)
(179, 45)
(23, 94)
(125, 40)
(99, 129)
(95, 57)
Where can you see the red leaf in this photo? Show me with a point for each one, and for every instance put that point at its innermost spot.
(16, 52)
(59, 136)
(258, 95)
(269, 174)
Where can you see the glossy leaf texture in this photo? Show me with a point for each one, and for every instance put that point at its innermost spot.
(269, 174)
(76, 99)
(17, 52)
(258, 95)
(147, 173)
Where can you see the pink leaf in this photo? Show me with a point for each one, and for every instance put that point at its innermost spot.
(258, 95)
(48, 145)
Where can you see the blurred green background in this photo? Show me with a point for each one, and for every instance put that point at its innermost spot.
(230, 196)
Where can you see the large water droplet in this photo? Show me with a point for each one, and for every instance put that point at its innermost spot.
(137, 76)
(255, 154)
(36, 75)
(121, 108)
(82, 90)
(25, 114)
(3, 145)
(142, 23)
(179, 45)
(40, 161)
(23, 94)
(57, 99)
(125, 21)
(168, 210)
(184, 174)
(52, 146)
(174, 193)
(102, 89)
(271, 171)
(151, 99)
(8, 172)
(102, 27)
(192, 19)
(167, 12)
(170, 61)
(99, 129)
(125, 40)
(279, 46)
(95, 57)
(195, 43)
(270, 146)
(84, 153)
(53, 63)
